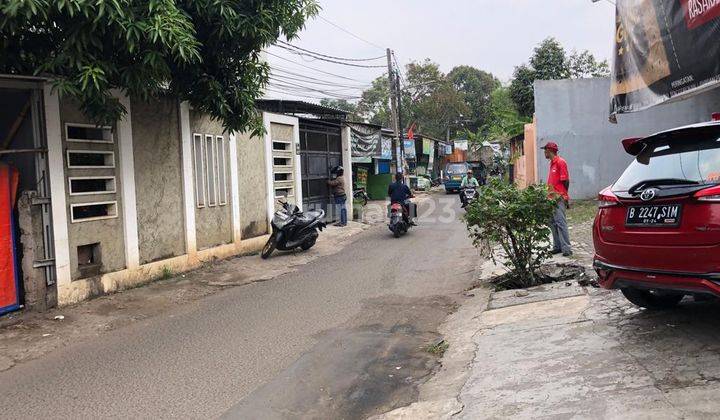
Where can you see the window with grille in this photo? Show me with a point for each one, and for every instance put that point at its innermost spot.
(210, 157)
(283, 159)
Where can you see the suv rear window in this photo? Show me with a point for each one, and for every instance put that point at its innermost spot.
(457, 168)
(685, 156)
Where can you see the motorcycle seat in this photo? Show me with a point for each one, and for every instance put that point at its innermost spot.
(314, 214)
(309, 217)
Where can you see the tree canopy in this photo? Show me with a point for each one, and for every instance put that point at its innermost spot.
(550, 61)
(204, 51)
(475, 87)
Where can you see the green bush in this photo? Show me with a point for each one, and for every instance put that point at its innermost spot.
(516, 220)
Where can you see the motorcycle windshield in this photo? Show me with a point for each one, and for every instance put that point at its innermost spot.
(281, 219)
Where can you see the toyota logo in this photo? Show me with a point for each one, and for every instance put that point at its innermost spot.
(648, 194)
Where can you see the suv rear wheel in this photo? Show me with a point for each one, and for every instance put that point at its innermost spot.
(650, 300)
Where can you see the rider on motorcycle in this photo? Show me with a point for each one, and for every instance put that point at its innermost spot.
(400, 193)
(468, 181)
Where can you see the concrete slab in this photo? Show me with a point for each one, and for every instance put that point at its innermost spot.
(595, 356)
(535, 294)
(562, 310)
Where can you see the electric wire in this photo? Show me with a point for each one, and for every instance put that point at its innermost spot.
(330, 56)
(305, 95)
(303, 54)
(309, 88)
(312, 68)
(300, 78)
(351, 34)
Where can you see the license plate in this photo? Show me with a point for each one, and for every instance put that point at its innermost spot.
(667, 215)
(456, 178)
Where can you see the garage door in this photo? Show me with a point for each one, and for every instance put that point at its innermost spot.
(320, 150)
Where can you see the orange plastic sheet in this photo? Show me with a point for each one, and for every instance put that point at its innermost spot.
(8, 265)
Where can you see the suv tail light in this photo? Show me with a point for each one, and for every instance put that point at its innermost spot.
(709, 194)
(606, 198)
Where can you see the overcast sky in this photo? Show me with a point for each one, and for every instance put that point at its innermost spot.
(493, 35)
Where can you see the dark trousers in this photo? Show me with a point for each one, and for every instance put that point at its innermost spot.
(340, 205)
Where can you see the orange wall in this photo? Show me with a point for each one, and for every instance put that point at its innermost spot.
(531, 153)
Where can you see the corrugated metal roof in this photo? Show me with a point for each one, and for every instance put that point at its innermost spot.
(284, 106)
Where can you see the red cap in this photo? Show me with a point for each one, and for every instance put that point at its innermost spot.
(551, 146)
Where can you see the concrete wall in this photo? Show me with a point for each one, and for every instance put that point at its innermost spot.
(108, 232)
(158, 179)
(574, 114)
(252, 186)
(213, 223)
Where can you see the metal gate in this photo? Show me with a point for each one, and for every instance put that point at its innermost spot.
(320, 150)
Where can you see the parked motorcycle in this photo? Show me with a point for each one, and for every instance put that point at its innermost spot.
(469, 195)
(360, 196)
(292, 229)
(399, 224)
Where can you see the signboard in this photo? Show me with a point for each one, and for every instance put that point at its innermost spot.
(664, 50)
(361, 177)
(361, 159)
(409, 146)
(366, 141)
(427, 147)
(461, 144)
(386, 148)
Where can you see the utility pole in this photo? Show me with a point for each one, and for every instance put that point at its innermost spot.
(398, 92)
(394, 113)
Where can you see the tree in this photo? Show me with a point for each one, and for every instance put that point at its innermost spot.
(434, 103)
(374, 106)
(550, 62)
(475, 86)
(204, 51)
(584, 64)
(503, 120)
(516, 221)
(440, 111)
(521, 90)
(342, 105)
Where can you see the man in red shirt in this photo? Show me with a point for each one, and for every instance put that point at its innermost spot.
(558, 183)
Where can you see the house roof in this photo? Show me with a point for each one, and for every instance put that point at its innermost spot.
(283, 106)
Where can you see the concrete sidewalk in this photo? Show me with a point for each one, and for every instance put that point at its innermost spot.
(566, 351)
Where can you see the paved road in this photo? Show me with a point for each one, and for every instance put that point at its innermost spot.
(320, 342)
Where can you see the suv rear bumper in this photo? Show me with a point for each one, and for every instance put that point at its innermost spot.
(617, 277)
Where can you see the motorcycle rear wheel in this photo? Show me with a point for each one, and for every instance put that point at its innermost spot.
(307, 244)
(269, 247)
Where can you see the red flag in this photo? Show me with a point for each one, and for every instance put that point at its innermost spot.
(411, 132)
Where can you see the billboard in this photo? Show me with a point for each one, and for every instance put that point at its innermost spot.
(664, 50)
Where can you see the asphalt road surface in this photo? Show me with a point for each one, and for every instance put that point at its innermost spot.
(341, 337)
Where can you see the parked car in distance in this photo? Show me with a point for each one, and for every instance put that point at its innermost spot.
(657, 230)
(454, 173)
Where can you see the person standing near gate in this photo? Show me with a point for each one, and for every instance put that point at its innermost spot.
(338, 191)
(558, 184)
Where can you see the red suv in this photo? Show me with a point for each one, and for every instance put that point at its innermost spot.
(657, 231)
